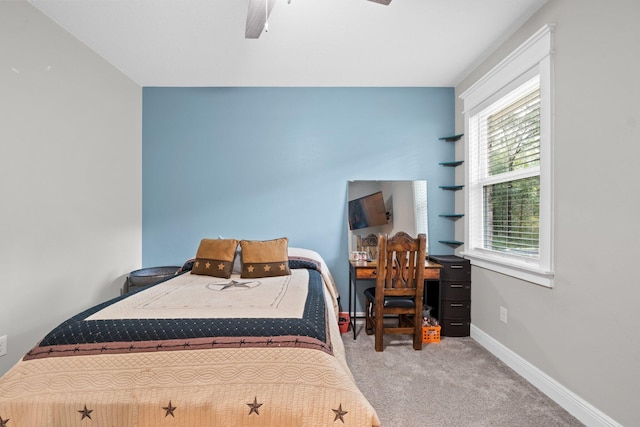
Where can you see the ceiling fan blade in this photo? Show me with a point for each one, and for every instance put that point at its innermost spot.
(385, 2)
(257, 15)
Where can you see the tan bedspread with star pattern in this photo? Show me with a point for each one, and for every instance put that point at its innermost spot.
(254, 386)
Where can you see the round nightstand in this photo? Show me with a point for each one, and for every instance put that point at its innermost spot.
(148, 276)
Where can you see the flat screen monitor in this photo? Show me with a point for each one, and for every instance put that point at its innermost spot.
(367, 211)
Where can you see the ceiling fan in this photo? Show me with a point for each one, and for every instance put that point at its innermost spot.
(258, 15)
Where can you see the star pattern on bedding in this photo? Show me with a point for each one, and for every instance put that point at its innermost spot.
(86, 413)
(235, 284)
(254, 406)
(267, 267)
(221, 266)
(339, 414)
(207, 265)
(169, 410)
(282, 267)
(250, 268)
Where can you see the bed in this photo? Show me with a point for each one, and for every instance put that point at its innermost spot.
(196, 350)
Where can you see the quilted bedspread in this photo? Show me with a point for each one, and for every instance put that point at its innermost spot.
(271, 355)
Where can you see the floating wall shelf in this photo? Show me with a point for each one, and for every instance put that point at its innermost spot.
(452, 138)
(453, 163)
(451, 242)
(452, 187)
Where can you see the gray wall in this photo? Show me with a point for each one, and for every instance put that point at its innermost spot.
(70, 177)
(583, 332)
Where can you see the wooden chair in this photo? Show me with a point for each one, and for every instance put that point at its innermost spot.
(399, 288)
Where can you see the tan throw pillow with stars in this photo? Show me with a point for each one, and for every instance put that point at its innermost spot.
(215, 257)
(265, 258)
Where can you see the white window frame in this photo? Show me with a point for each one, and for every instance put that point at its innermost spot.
(533, 57)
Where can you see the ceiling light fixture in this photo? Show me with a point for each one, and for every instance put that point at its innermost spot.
(258, 21)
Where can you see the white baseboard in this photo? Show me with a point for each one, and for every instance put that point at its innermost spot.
(572, 403)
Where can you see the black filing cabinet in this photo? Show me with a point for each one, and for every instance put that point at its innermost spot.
(455, 295)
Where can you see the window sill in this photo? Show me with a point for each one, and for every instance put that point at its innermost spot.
(511, 268)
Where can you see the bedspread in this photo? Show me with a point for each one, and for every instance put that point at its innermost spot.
(272, 359)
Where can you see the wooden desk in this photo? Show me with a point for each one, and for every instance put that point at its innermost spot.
(367, 270)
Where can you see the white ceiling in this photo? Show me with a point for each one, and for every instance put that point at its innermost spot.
(309, 43)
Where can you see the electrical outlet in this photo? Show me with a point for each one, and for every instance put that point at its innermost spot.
(503, 314)
(3, 345)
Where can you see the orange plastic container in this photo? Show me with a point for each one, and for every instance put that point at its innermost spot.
(430, 334)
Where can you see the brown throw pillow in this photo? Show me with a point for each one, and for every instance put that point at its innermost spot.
(215, 257)
(265, 258)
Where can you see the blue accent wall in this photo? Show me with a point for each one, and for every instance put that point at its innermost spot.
(261, 163)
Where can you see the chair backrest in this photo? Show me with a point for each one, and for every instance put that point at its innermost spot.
(401, 260)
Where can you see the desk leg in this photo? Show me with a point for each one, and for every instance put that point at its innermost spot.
(352, 302)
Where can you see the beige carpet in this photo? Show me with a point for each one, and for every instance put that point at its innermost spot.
(452, 383)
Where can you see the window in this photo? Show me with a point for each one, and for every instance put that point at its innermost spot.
(420, 204)
(506, 173)
(508, 124)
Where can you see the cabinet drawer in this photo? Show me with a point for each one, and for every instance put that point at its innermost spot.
(366, 273)
(460, 272)
(455, 309)
(455, 290)
(371, 273)
(453, 267)
(455, 327)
